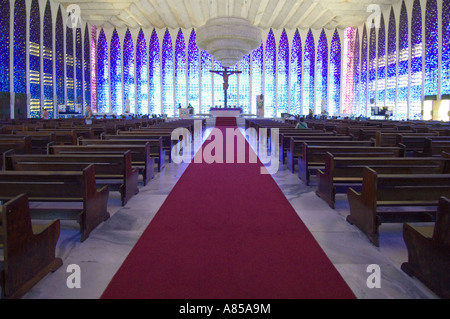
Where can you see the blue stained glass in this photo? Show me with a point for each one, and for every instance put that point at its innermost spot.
(116, 74)
(154, 80)
(445, 73)
(283, 75)
(87, 67)
(102, 73)
(35, 60)
(335, 74)
(218, 95)
(180, 70)
(78, 69)
(391, 79)
(94, 69)
(381, 76)
(401, 112)
(372, 84)
(129, 87)
(270, 63)
(168, 106)
(296, 75)
(232, 88)
(20, 47)
(48, 60)
(356, 75)
(245, 84)
(4, 47)
(59, 59)
(70, 71)
(193, 73)
(415, 102)
(141, 74)
(309, 72)
(257, 75)
(363, 82)
(321, 73)
(432, 49)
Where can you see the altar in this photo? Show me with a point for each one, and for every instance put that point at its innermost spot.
(225, 112)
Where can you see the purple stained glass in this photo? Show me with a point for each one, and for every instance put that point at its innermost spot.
(283, 75)
(270, 63)
(401, 112)
(102, 73)
(391, 74)
(87, 67)
(193, 73)
(168, 106)
(296, 75)
(321, 73)
(116, 74)
(308, 74)
(47, 65)
(4, 47)
(35, 60)
(20, 47)
(356, 75)
(415, 95)
(180, 70)
(129, 87)
(381, 73)
(432, 49)
(363, 81)
(445, 67)
(141, 75)
(257, 74)
(335, 74)
(154, 79)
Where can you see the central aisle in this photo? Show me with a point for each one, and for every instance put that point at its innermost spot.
(226, 232)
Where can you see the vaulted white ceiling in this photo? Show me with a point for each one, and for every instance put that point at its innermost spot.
(187, 14)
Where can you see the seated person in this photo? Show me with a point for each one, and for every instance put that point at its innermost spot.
(302, 124)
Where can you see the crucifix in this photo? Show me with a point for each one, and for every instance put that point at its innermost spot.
(225, 74)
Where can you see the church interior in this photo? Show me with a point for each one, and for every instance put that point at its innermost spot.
(225, 150)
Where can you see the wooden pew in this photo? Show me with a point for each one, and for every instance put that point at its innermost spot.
(28, 248)
(39, 140)
(313, 156)
(113, 170)
(140, 155)
(340, 173)
(295, 149)
(434, 147)
(392, 139)
(429, 251)
(157, 149)
(394, 198)
(60, 187)
(20, 144)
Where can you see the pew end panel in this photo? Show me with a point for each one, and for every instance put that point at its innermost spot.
(29, 250)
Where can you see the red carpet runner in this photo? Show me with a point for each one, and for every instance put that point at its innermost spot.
(227, 232)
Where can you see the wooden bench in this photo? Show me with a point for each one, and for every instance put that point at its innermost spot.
(39, 140)
(435, 147)
(113, 170)
(340, 173)
(313, 157)
(60, 187)
(157, 149)
(28, 248)
(429, 251)
(140, 155)
(20, 144)
(295, 149)
(392, 139)
(394, 198)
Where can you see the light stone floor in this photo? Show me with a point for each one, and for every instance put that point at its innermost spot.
(100, 256)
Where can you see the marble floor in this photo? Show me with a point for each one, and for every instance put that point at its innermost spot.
(100, 256)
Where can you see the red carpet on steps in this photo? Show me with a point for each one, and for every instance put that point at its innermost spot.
(227, 232)
(226, 121)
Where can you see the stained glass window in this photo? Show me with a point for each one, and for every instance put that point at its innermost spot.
(348, 71)
(283, 75)
(4, 47)
(296, 75)
(245, 85)
(129, 87)
(168, 106)
(381, 75)
(94, 69)
(372, 84)
(141, 74)
(70, 71)
(363, 81)
(356, 74)
(116, 74)
(257, 75)
(87, 68)
(102, 73)
(270, 75)
(217, 96)
(59, 59)
(321, 73)
(432, 49)
(415, 102)
(78, 69)
(180, 70)
(308, 75)
(47, 55)
(335, 75)
(445, 73)
(233, 87)
(391, 79)
(35, 60)
(403, 66)
(154, 80)
(20, 48)
(193, 73)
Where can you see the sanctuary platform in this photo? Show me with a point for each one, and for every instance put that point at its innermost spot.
(225, 112)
